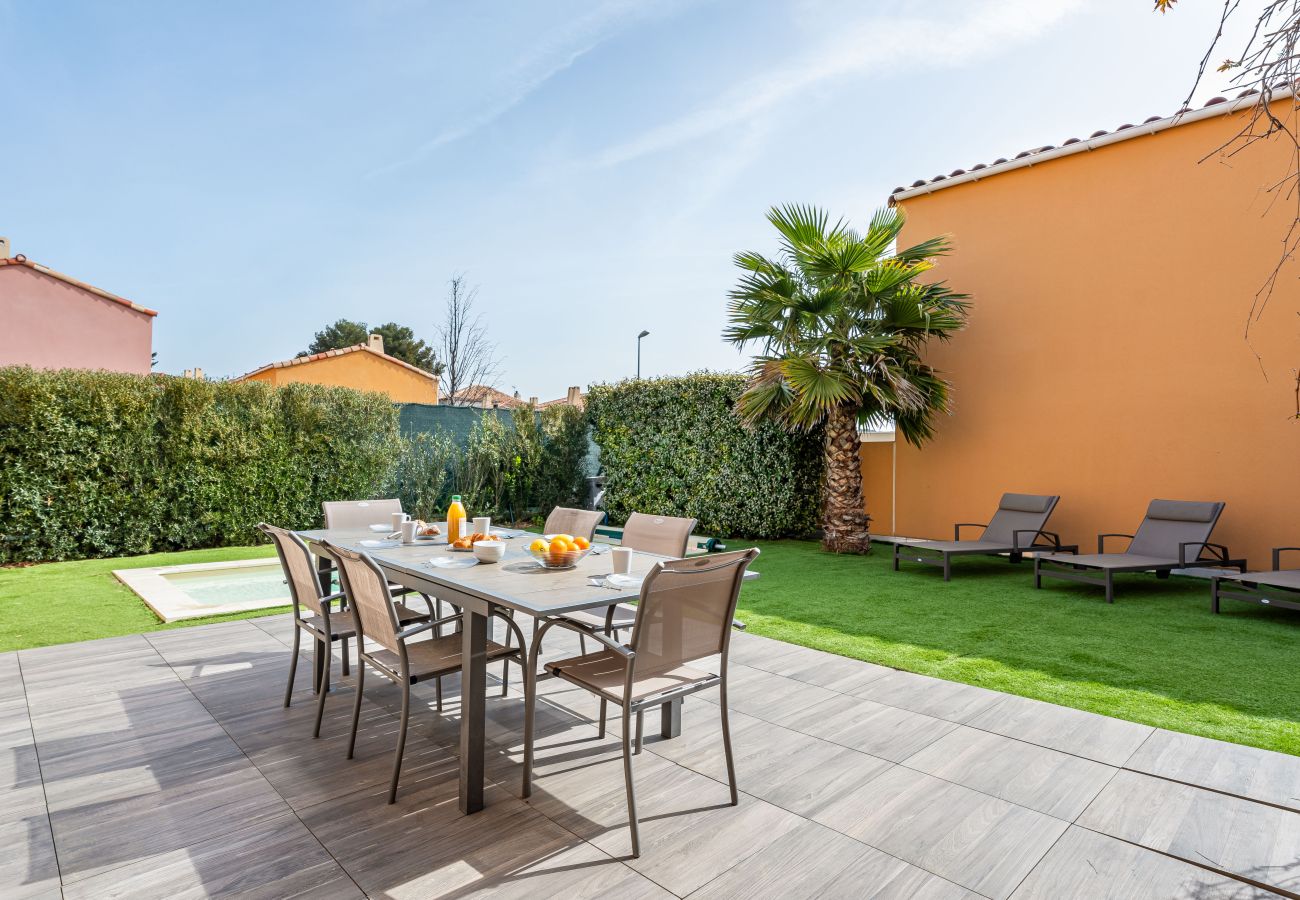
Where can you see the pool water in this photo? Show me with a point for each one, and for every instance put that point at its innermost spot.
(261, 585)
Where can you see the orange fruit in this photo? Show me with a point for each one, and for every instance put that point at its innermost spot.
(560, 543)
(581, 543)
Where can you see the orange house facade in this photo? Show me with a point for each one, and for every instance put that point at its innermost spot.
(362, 367)
(1107, 357)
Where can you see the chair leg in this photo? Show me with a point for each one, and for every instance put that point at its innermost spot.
(505, 664)
(627, 778)
(582, 642)
(320, 697)
(437, 690)
(401, 739)
(293, 662)
(604, 704)
(640, 728)
(356, 706)
(726, 744)
(343, 645)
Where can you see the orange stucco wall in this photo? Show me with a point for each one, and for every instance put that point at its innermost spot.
(1105, 359)
(360, 370)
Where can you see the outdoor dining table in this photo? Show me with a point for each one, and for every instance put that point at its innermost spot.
(516, 583)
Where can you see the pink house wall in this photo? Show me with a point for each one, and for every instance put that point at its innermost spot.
(47, 323)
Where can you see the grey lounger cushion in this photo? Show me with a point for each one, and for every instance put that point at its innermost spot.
(1287, 578)
(1111, 560)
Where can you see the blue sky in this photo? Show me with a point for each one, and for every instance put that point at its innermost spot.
(256, 170)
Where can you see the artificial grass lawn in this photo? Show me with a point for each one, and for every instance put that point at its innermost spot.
(1157, 656)
(55, 603)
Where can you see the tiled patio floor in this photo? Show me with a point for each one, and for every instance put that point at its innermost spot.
(165, 766)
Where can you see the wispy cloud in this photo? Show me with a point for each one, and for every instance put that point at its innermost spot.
(553, 53)
(872, 45)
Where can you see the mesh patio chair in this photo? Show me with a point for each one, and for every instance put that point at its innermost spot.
(1278, 587)
(397, 657)
(1174, 534)
(577, 522)
(684, 615)
(660, 535)
(1015, 529)
(312, 614)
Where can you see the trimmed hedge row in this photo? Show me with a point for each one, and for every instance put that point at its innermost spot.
(674, 446)
(99, 464)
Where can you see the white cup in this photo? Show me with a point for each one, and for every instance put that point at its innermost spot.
(482, 525)
(408, 531)
(398, 519)
(621, 557)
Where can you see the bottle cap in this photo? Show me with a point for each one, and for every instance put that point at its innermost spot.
(455, 498)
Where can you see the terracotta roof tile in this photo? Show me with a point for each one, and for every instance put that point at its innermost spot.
(1280, 92)
(302, 360)
(21, 260)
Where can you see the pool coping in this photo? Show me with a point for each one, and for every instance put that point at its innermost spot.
(171, 604)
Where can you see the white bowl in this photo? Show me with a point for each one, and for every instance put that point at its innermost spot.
(489, 551)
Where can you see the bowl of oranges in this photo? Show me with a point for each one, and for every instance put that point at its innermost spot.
(559, 551)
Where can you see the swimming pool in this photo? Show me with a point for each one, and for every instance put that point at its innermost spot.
(208, 589)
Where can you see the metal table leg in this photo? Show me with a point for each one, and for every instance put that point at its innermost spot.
(670, 715)
(473, 705)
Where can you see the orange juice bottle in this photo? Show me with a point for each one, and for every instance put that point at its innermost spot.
(455, 516)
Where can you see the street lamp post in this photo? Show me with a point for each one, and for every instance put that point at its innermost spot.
(638, 353)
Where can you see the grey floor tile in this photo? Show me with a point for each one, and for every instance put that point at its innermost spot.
(1244, 838)
(1232, 768)
(884, 731)
(1048, 781)
(1084, 865)
(932, 696)
(28, 867)
(813, 862)
(1100, 738)
(278, 858)
(980, 842)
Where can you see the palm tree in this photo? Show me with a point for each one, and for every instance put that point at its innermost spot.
(842, 320)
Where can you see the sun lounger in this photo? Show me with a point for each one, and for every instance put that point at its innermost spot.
(1012, 532)
(1280, 587)
(1174, 535)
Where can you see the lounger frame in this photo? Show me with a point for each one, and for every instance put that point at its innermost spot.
(1254, 592)
(943, 558)
(1066, 571)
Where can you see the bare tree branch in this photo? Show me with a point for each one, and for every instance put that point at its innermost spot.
(468, 357)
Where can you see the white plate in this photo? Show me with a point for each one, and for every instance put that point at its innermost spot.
(381, 529)
(453, 562)
(625, 581)
(374, 545)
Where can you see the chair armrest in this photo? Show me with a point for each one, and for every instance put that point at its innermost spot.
(1101, 539)
(956, 529)
(1050, 535)
(592, 633)
(1277, 556)
(330, 598)
(1219, 551)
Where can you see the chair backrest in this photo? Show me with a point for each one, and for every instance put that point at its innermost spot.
(1017, 512)
(366, 590)
(577, 522)
(686, 609)
(359, 513)
(296, 561)
(1169, 523)
(662, 535)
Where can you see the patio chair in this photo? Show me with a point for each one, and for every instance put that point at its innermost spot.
(577, 522)
(1175, 534)
(684, 615)
(359, 513)
(397, 657)
(312, 614)
(1278, 587)
(1013, 531)
(660, 535)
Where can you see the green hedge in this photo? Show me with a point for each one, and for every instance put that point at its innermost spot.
(99, 464)
(674, 446)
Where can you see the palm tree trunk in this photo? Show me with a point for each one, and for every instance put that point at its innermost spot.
(844, 519)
